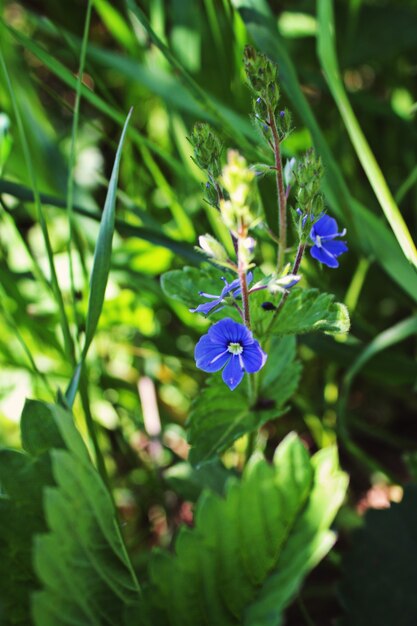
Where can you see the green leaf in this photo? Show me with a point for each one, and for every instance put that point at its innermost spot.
(22, 479)
(84, 549)
(102, 253)
(219, 416)
(189, 482)
(326, 49)
(368, 232)
(308, 310)
(38, 427)
(184, 285)
(380, 578)
(249, 552)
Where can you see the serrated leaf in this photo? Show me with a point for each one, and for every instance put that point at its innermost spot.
(380, 574)
(219, 416)
(189, 482)
(248, 553)
(81, 562)
(184, 285)
(309, 310)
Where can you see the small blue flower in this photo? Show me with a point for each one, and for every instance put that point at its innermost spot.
(231, 346)
(326, 249)
(232, 288)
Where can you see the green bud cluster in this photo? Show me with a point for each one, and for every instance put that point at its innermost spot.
(308, 173)
(207, 149)
(262, 75)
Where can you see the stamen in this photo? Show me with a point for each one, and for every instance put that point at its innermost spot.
(235, 348)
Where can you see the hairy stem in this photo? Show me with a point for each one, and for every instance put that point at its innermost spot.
(281, 193)
(295, 268)
(243, 284)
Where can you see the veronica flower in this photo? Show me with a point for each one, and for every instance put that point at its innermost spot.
(326, 249)
(217, 302)
(229, 346)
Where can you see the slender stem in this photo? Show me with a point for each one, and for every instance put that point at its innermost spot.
(281, 193)
(295, 268)
(243, 285)
(298, 258)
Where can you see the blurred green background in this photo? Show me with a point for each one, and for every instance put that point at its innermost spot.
(182, 67)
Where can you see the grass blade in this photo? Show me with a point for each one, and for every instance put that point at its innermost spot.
(102, 253)
(327, 53)
(157, 237)
(67, 77)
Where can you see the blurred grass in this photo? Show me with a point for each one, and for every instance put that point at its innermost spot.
(177, 66)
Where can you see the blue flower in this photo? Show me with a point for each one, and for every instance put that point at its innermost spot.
(232, 288)
(326, 249)
(231, 346)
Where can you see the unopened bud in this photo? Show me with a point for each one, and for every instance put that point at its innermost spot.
(212, 247)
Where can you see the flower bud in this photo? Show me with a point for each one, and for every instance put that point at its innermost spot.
(212, 248)
(207, 148)
(237, 179)
(262, 75)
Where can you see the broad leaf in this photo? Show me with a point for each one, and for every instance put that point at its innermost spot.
(184, 285)
(249, 552)
(380, 574)
(219, 416)
(308, 310)
(82, 562)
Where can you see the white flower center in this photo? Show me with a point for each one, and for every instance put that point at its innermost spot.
(235, 348)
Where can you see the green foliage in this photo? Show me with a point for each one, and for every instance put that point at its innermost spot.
(84, 549)
(308, 310)
(326, 48)
(219, 416)
(184, 285)
(380, 570)
(53, 492)
(23, 476)
(249, 552)
(371, 234)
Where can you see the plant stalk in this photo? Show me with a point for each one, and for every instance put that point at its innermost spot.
(243, 285)
(281, 193)
(295, 268)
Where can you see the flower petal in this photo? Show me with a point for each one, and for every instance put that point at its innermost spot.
(227, 330)
(336, 248)
(324, 227)
(207, 307)
(233, 372)
(253, 358)
(229, 287)
(321, 255)
(210, 357)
